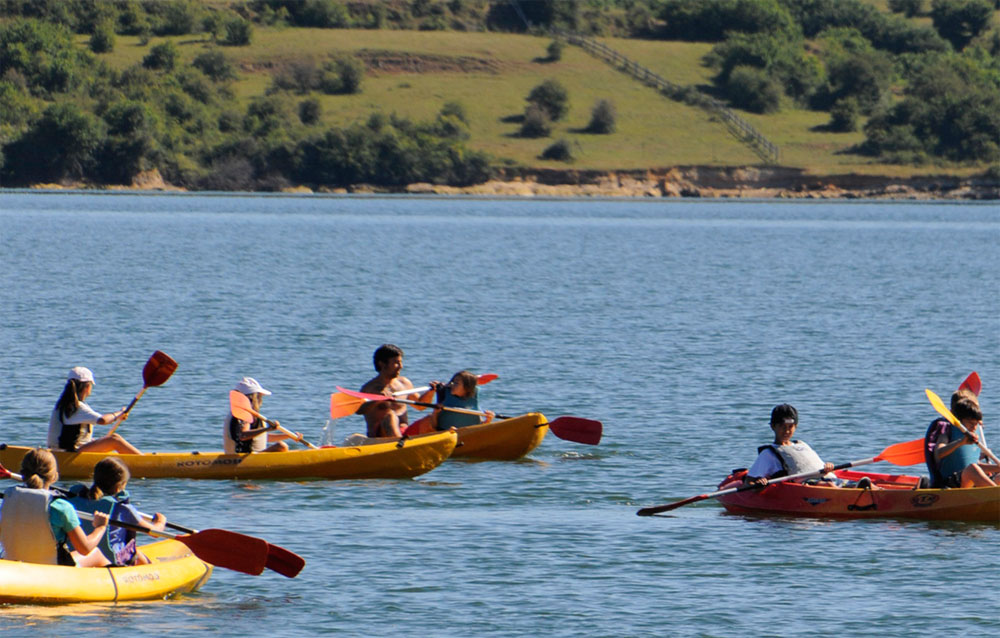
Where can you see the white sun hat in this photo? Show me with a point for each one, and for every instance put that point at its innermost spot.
(249, 385)
(79, 373)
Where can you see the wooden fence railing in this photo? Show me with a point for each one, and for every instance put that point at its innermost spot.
(740, 128)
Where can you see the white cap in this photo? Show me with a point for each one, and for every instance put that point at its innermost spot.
(79, 373)
(249, 385)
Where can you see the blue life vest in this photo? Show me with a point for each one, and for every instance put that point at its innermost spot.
(448, 419)
(118, 544)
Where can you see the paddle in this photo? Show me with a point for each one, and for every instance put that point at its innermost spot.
(482, 379)
(946, 413)
(972, 383)
(219, 547)
(155, 373)
(908, 453)
(240, 405)
(570, 428)
(285, 562)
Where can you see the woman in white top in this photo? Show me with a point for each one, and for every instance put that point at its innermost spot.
(71, 425)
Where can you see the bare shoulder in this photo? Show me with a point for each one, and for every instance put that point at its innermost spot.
(373, 385)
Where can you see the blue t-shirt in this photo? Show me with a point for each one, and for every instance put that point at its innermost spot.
(62, 518)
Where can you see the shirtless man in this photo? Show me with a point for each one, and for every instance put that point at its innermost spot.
(388, 418)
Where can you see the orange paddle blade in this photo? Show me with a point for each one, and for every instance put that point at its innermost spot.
(240, 406)
(908, 453)
(342, 405)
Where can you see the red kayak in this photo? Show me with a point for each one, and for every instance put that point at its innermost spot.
(890, 496)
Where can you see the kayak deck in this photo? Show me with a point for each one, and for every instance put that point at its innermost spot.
(388, 460)
(173, 570)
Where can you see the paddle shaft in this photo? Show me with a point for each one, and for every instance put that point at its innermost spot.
(157, 370)
(946, 413)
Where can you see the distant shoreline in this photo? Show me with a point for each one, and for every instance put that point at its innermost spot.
(677, 182)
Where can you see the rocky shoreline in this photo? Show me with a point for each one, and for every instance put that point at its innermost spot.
(674, 182)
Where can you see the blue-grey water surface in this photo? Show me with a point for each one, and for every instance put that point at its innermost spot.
(678, 324)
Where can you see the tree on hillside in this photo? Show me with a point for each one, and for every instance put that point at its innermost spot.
(959, 21)
(550, 96)
(58, 146)
(909, 8)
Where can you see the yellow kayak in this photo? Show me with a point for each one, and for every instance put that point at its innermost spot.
(502, 439)
(391, 460)
(173, 569)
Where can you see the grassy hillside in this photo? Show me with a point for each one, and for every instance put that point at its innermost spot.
(652, 131)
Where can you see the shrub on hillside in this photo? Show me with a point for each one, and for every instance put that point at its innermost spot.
(909, 8)
(711, 20)
(555, 50)
(310, 111)
(214, 64)
(238, 32)
(342, 75)
(103, 38)
(844, 115)
(602, 117)
(550, 96)
(59, 145)
(751, 89)
(559, 150)
(162, 57)
(959, 21)
(536, 122)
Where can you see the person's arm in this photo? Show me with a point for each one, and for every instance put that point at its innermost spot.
(943, 450)
(766, 465)
(85, 543)
(110, 417)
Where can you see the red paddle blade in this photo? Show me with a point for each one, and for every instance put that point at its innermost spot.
(572, 428)
(283, 561)
(908, 453)
(342, 405)
(486, 378)
(231, 550)
(239, 405)
(649, 511)
(972, 383)
(363, 395)
(158, 369)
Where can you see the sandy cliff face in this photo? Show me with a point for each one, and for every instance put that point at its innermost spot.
(701, 181)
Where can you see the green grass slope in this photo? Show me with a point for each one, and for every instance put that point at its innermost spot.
(652, 130)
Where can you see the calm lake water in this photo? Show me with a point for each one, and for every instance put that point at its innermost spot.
(678, 324)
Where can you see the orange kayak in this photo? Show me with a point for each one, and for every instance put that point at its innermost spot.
(891, 496)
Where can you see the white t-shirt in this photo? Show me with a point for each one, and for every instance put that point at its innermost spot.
(84, 414)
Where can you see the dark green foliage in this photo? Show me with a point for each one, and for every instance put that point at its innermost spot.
(43, 54)
(214, 64)
(559, 150)
(865, 76)
(555, 50)
(711, 20)
(300, 76)
(16, 105)
(951, 109)
(342, 75)
(386, 151)
(238, 32)
(959, 21)
(456, 110)
(550, 96)
(890, 32)
(130, 143)
(323, 13)
(909, 8)
(536, 122)
(751, 89)
(60, 144)
(162, 57)
(175, 17)
(780, 59)
(310, 111)
(844, 115)
(103, 38)
(603, 117)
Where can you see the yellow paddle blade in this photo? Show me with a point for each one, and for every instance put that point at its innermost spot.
(342, 405)
(942, 410)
